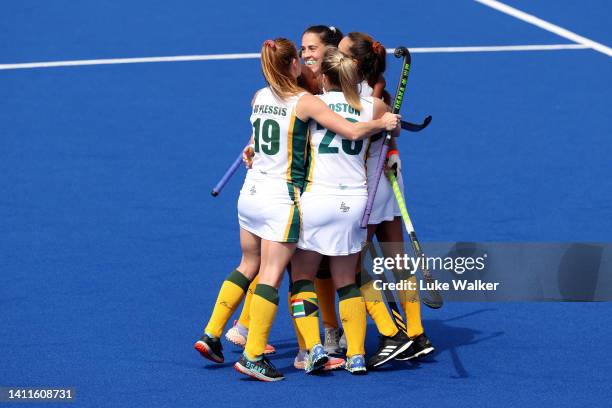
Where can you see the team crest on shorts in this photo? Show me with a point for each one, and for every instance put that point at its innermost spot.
(253, 190)
(344, 208)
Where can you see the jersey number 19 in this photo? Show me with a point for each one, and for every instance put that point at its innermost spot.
(270, 136)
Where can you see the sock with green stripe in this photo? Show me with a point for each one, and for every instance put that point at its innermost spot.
(298, 335)
(231, 294)
(263, 310)
(305, 312)
(353, 317)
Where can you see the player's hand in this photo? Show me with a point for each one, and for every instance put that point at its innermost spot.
(247, 155)
(391, 120)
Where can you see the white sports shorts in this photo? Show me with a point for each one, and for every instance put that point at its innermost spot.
(270, 209)
(385, 206)
(330, 223)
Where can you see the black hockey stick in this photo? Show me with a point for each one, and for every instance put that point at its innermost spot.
(414, 127)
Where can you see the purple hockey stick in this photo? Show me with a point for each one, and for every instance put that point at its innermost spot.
(228, 174)
(397, 104)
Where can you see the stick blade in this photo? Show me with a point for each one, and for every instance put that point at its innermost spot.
(401, 52)
(414, 127)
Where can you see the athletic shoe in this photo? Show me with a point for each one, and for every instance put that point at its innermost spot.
(316, 359)
(238, 335)
(420, 347)
(210, 348)
(262, 369)
(389, 348)
(356, 365)
(333, 363)
(300, 361)
(332, 336)
(342, 343)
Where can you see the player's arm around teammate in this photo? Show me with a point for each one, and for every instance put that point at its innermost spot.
(333, 201)
(269, 201)
(314, 41)
(370, 58)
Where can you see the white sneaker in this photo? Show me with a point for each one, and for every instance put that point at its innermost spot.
(332, 336)
(342, 343)
(238, 335)
(299, 362)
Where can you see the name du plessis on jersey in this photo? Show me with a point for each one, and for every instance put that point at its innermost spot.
(282, 111)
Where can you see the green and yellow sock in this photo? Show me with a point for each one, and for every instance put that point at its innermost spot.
(377, 309)
(263, 310)
(244, 318)
(298, 335)
(231, 294)
(353, 316)
(305, 312)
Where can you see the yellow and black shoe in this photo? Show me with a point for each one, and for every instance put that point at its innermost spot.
(261, 369)
(421, 347)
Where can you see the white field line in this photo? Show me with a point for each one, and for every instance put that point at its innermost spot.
(215, 57)
(545, 25)
(496, 48)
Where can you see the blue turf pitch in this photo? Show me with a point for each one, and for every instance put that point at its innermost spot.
(112, 249)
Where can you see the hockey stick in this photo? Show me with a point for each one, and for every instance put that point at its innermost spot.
(435, 301)
(228, 174)
(415, 127)
(398, 319)
(399, 97)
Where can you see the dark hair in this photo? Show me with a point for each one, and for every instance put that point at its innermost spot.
(371, 56)
(329, 35)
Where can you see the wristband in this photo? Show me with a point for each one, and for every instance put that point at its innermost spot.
(392, 152)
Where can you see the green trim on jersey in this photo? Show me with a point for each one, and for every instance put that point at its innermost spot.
(298, 143)
(292, 230)
(310, 163)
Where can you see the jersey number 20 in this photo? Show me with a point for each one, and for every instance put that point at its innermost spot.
(349, 147)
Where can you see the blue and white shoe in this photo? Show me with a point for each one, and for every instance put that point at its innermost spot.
(356, 365)
(316, 359)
